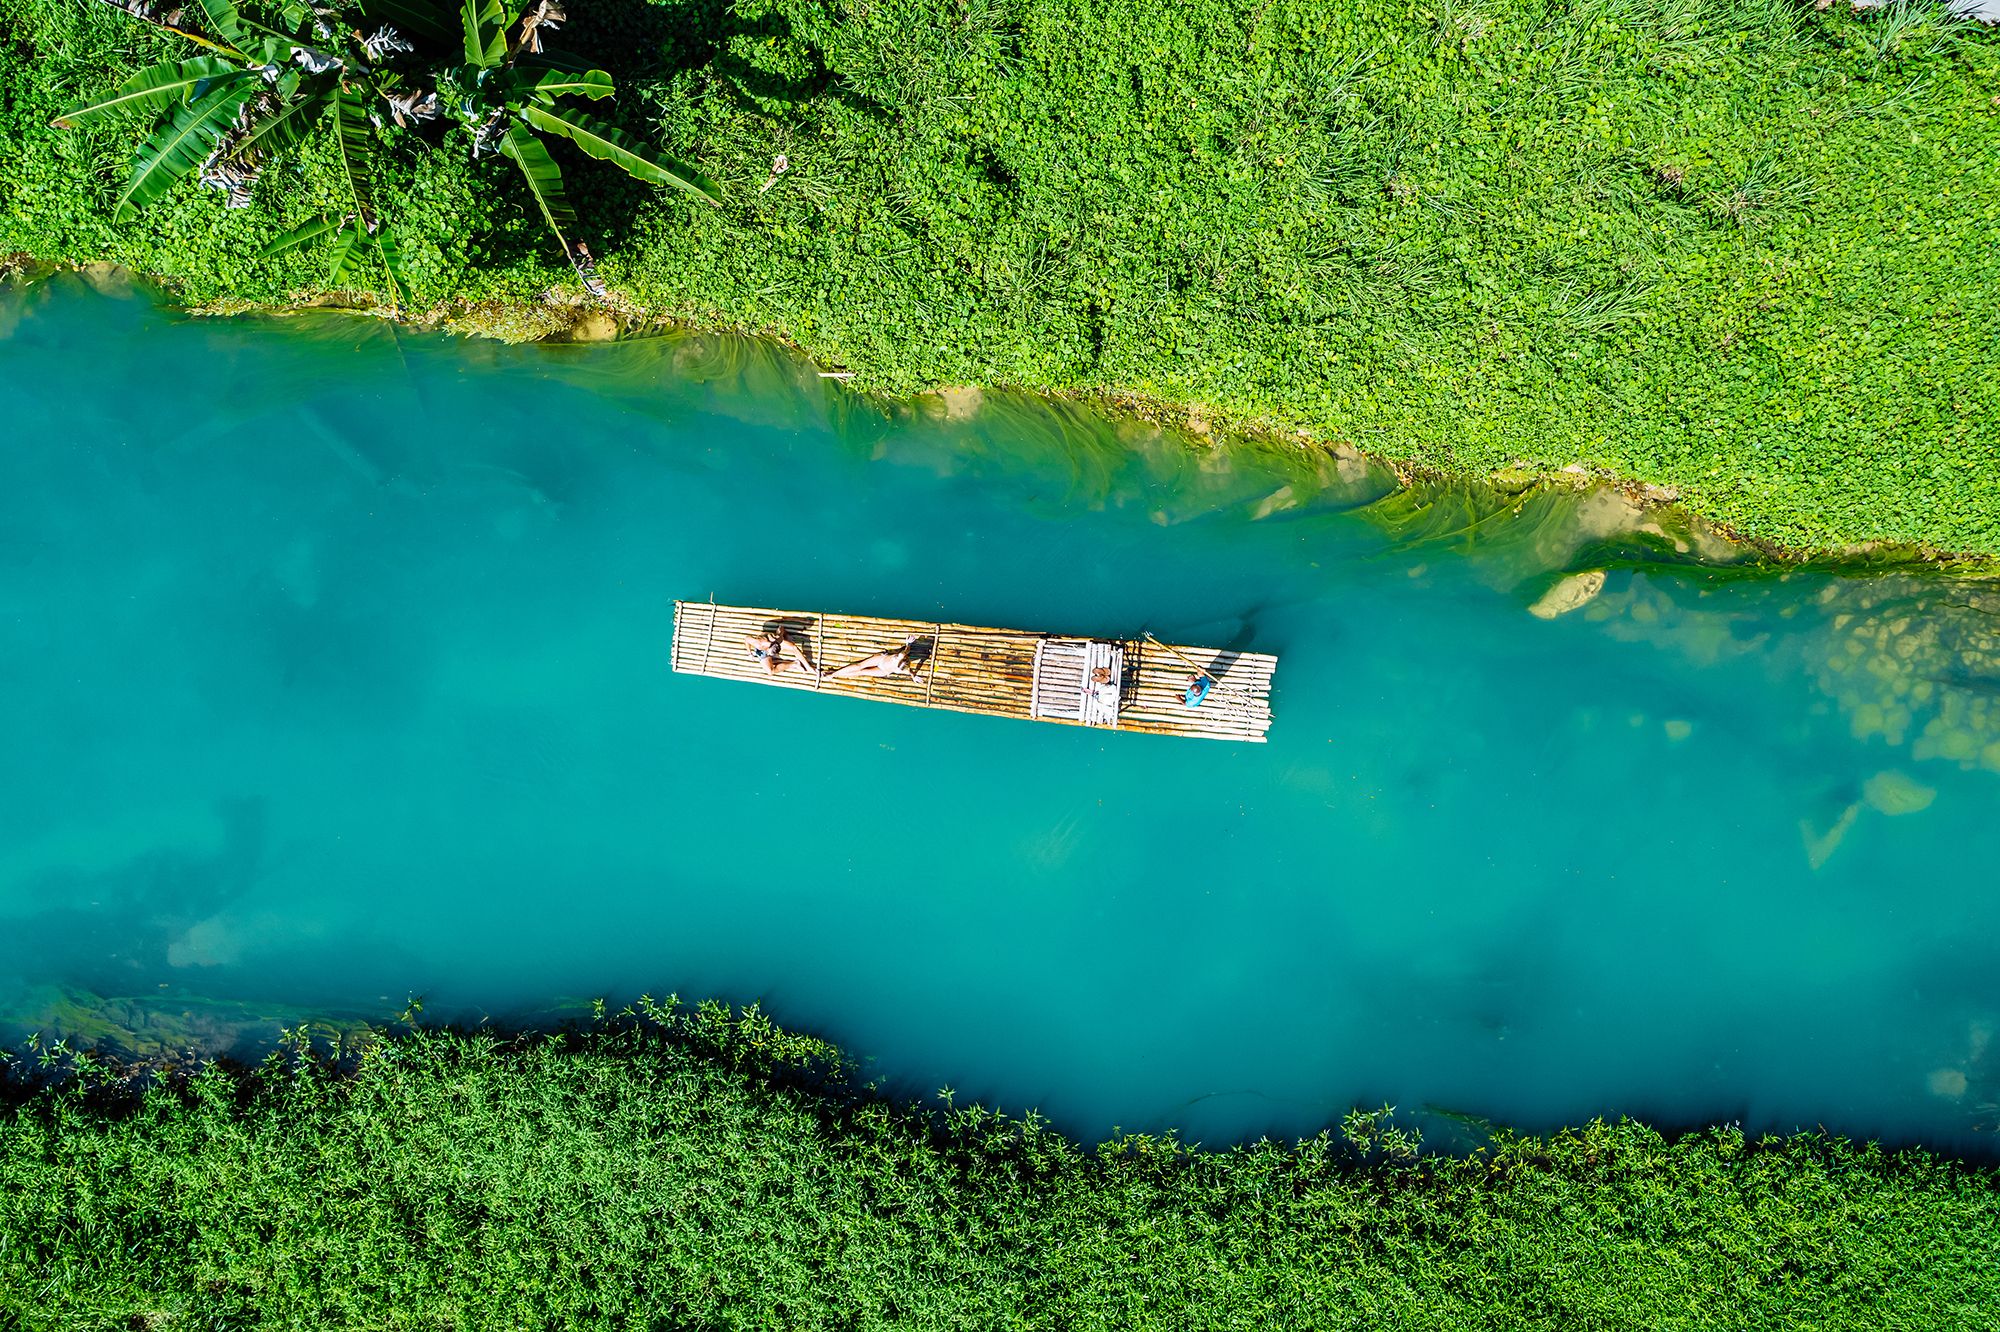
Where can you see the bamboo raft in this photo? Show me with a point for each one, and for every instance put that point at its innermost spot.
(992, 672)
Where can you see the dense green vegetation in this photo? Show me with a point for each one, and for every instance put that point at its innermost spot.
(276, 74)
(705, 1170)
(1738, 247)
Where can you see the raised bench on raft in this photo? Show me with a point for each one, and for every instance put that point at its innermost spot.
(995, 672)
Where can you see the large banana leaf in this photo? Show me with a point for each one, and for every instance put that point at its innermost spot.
(348, 248)
(391, 255)
(298, 236)
(277, 44)
(285, 127)
(182, 144)
(485, 25)
(356, 142)
(238, 27)
(222, 16)
(544, 180)
(551, 58)
(609, 144)
(547, 83)
(419, 18)
(151, 88)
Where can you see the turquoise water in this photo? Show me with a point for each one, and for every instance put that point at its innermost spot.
(335, 668)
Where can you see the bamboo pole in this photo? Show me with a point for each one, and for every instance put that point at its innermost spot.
(937, 649)
(1198, 670)
(708, 644)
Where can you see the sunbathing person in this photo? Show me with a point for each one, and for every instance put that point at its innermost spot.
(1103, 687)
(770, 648)
(889, 661)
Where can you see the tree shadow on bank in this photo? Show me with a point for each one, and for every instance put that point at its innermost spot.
(667, 57)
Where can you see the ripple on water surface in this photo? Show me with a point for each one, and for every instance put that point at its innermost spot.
(337, 656)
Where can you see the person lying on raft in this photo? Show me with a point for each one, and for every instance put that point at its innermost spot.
(1197, 690)
(889, 661)
(770, 648)
(1104, 688)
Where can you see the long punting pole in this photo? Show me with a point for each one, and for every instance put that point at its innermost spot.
(709, 642)
(937, 647)
(1199, 671)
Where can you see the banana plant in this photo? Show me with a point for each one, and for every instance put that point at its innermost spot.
(357, 71)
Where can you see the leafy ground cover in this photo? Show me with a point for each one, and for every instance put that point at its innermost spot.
(704, 1169)
(1739, 248)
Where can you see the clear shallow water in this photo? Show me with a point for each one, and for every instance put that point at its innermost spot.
(334, 668)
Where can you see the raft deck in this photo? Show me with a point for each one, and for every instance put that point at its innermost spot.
(993, 672)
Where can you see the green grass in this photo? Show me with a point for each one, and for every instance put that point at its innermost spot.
(704, 1170)
(1736, 247)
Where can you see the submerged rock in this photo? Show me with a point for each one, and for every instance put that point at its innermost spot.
(1284, 497)
(1912, 660)
(512, 321)
(1892, 792)
(108, 279)
(959, 402)
(1572, 592)
(1948, 1082)
(594, 326)
(953, 403)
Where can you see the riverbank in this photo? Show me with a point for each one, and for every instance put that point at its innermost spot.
(1732, 251)
(1650, 517)
(702, 1168)
(1649, 506)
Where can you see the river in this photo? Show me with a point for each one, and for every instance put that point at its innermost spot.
(335, 673)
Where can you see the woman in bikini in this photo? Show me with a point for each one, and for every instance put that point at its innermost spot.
(889, 661)
(770, 648)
